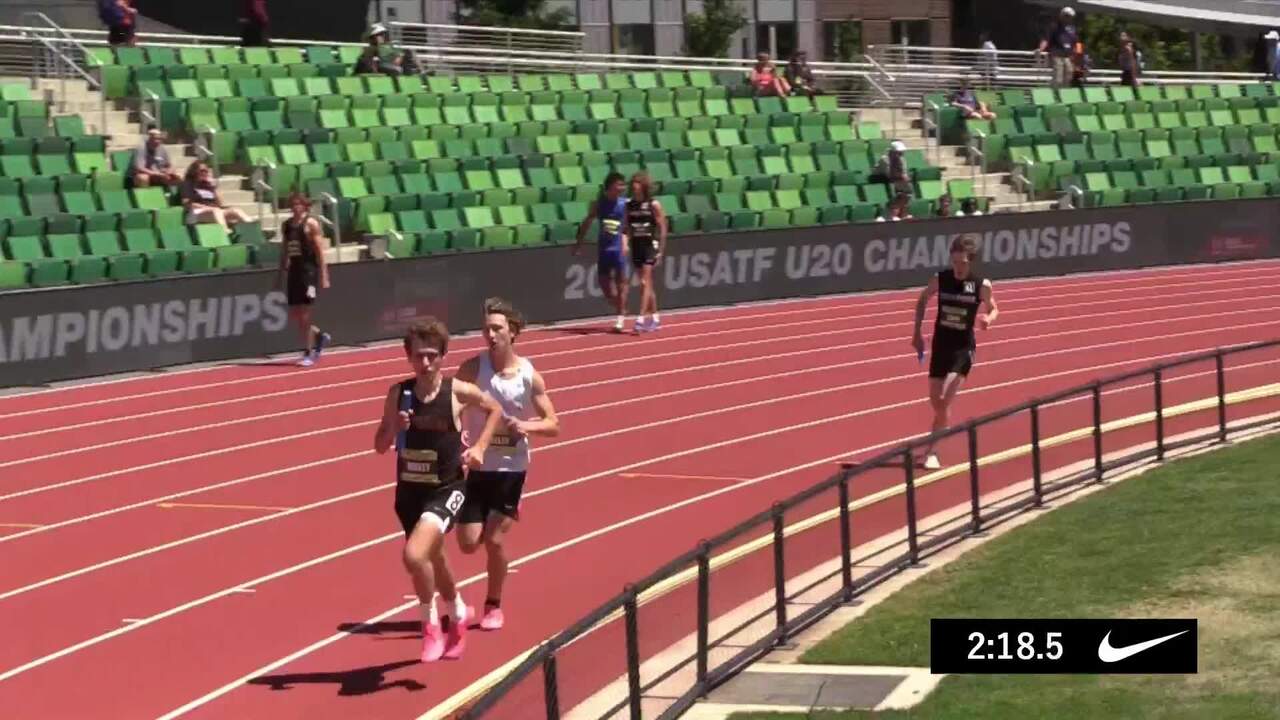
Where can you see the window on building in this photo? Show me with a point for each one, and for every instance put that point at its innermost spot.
(777, 39)
(911, 32)
(633, 39)
(841, 40)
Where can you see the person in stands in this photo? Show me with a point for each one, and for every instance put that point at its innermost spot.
(151, 165)
(800, 75)
(380, 55)
(203, 202)
(121, 19)
(1061, 43)
(255, 24)
(765, 81)
(969, 104)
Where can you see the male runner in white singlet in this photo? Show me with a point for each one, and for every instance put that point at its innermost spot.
(493, 491)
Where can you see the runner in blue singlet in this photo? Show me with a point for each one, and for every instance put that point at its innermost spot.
(611, 210)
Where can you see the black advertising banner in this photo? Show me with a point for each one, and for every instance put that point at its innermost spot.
(57, 334)
(1094, 646)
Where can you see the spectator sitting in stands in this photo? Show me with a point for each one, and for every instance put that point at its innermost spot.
(151, 164)
(381, 55)
(204, 204)
(800, 76)
(765, 80)
(969, 207)
(969, 104)
(944, 206)
(121, 20)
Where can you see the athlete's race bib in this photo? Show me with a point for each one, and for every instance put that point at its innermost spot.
(954, 318)
(420, 466)
(503, 443)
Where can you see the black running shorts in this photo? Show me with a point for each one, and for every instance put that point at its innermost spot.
(302, 287)
(413, 500)
(946, 359)
(492, 492)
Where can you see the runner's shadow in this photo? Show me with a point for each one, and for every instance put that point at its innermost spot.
(398, 630)
(361, 681)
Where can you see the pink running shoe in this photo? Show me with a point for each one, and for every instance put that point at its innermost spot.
(492, 619)
(455, 640)
(433, 644)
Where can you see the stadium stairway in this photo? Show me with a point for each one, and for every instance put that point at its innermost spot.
(906, 125)
(124, 130)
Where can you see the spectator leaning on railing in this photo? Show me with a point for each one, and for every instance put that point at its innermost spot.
(255, 28)
(1061, 44)
(1130, 61)
(121, 20)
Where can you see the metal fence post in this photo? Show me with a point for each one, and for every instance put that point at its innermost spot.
(779, 576)
(633, 653)
(1218, 361)
(1158, 385)
(1097, 431)
(975, 510)
(1037, 480)
(913, 542)
(704, 613)
(846, 541)
(550, 688)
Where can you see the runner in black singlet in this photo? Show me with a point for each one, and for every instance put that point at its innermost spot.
(646, 230)
(960, 293)
(302, 264)
(422, 417)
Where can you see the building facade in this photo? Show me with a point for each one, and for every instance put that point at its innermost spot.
(826, 29)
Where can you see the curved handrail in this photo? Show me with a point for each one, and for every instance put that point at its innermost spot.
(699, 557)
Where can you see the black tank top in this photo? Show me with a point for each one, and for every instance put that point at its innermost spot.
(301, 253)
(640, 219)
(958, 302)
(432, 453)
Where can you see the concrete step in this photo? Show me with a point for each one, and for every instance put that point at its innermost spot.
(1032, 206)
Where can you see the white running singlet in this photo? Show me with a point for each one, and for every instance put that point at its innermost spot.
(515, 395)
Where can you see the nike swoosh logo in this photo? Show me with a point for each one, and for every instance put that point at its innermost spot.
(1109, 654)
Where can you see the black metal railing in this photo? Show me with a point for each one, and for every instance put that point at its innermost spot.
(717, 653)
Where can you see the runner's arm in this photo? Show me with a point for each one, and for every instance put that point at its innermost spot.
(468, 371)
(989, 302)
(391, 423)
(548, 425)
(314, 236)
(468, 394)
(584, 226)
(922, 303)
(660, 217)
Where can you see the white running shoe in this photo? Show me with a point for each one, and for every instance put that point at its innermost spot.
(931, 462)
(306, 361)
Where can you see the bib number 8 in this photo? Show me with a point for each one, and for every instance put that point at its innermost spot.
(454, 503)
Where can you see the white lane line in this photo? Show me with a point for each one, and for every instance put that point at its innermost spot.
(573, 368)
(574, 441)
(720, 314)
(518, 562)
(607, 473)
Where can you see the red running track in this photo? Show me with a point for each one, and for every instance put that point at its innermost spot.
(194, 544)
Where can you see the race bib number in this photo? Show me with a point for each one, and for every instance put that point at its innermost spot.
(611, 226)
(454, 503)
(954, 318)
(420, 466)
(503, 443)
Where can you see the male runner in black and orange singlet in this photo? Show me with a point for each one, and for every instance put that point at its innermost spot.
(422, 416)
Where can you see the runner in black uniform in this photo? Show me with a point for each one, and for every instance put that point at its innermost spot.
(422, 417)
(960, 291)
(646, 231)
(302, 261)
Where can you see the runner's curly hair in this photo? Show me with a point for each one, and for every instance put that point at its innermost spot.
(427, 331)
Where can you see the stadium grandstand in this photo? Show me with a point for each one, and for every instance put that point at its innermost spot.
(193, 526)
